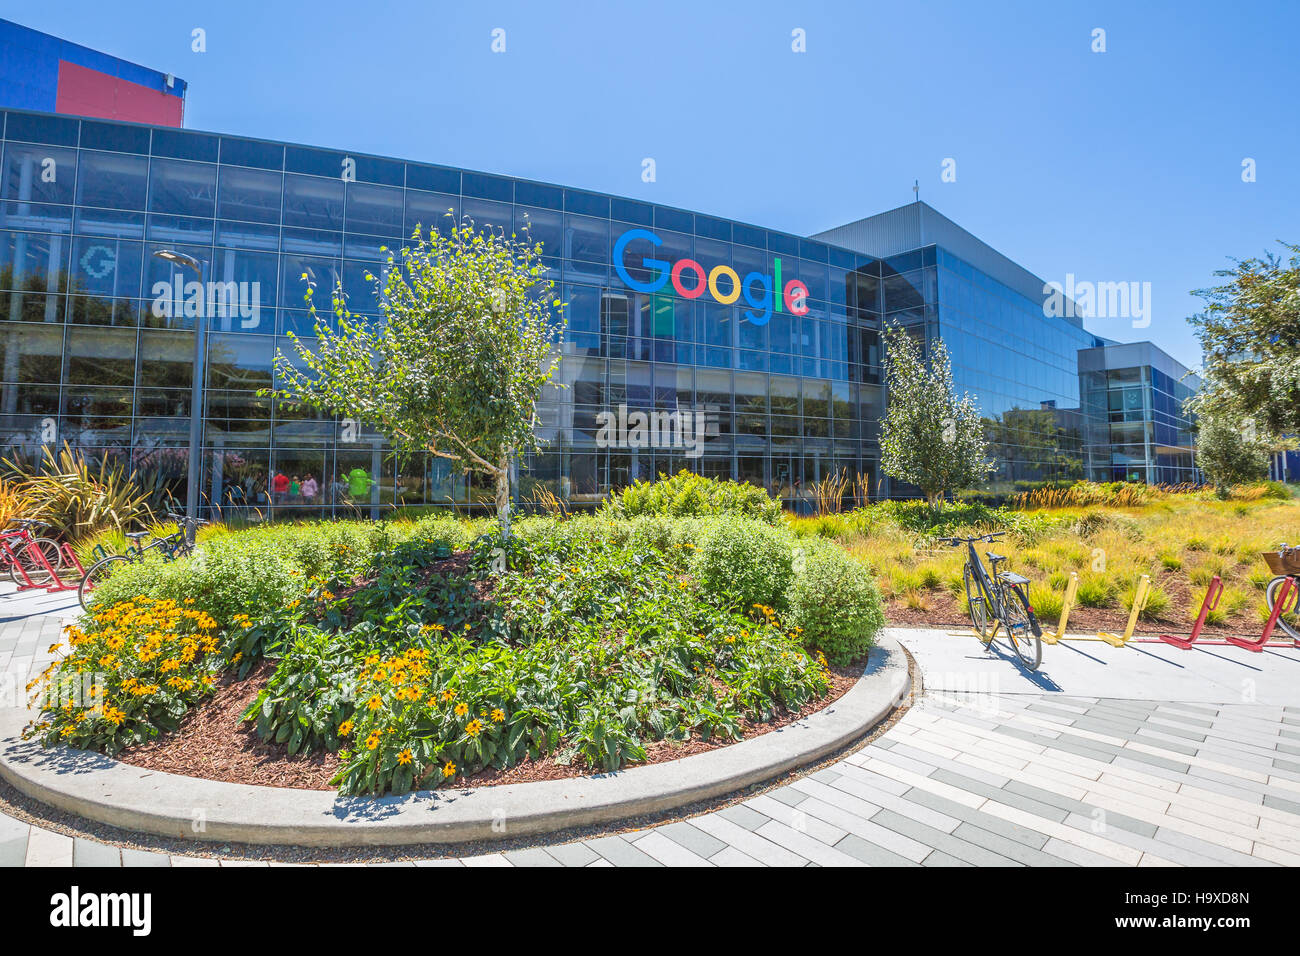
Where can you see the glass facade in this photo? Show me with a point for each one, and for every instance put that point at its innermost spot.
(87, 358)
(1136, 428)
(96, 336)
(1020, 366)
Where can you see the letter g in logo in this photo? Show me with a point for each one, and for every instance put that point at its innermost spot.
(620, 248)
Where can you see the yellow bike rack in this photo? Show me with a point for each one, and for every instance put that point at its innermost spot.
(1139, 602)
(1071, 590)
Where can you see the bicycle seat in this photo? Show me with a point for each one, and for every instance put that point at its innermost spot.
(995, 558)
(136, 535)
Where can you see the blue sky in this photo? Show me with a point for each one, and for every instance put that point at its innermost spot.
(1115, 166)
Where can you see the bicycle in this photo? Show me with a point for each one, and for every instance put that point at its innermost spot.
(171, 546)
(1285, 563)
(27, 558)
(1000, 597)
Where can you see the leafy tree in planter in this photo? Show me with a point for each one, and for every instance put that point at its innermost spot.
(1250, 336)
(929, 437)
(1230, 451)
(455, 366)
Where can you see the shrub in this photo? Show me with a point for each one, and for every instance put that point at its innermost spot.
(132, 673)
(308, 703)
(746, 563)
(1095, 592)
(834, 599)
(1046, 602)
(692, 495)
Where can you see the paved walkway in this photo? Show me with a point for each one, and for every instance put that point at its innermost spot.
(1010, 777)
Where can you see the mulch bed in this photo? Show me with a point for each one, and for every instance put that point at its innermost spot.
(214, 744)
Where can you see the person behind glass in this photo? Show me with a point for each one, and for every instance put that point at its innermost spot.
(309, 490)
(279, 488)
(295, 490)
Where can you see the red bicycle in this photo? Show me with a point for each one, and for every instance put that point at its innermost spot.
(30, 560)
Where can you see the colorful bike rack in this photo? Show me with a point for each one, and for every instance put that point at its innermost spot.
(1257, 644)
(58, 584)
(1212, 594)
(1139, 602)
(1071, 590)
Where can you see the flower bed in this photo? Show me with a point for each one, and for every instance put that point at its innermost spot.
(583, 643)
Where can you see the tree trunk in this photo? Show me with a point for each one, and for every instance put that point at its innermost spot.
(503, 495)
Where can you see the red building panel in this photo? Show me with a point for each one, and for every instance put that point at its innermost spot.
(87, 92)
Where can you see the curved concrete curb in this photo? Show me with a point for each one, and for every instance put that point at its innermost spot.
(171, 805)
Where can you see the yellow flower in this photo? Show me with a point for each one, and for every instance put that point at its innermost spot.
(473, 728)
(449, 770)
(373, 740)
(461, 709)
(345, 728)
(404, 757)
(498, 715)
(374, 703)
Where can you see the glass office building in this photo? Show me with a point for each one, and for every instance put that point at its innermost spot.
(94, 355)
(1136, 428)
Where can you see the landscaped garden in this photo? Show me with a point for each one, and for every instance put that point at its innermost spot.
(1109, 534)
(381, 657)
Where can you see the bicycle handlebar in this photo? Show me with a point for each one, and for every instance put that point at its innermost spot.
(955, 541)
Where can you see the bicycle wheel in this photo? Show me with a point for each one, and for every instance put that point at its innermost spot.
(1289, 619)
(28, 559)
(96, 574)
(980, 612)
(1020, 627)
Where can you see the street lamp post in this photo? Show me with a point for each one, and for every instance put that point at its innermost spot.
(196, 393)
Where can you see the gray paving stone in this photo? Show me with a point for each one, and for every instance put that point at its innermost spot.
(13, 843)
(1174, 730)
(1083, 809)
(1161, 848)
(787, 795)
(942, 859)
(1151, 759)
(730, 856)
(1280, 803)
(1034, 839)
(1004, 846)
(945, 842)
(1203, 848)
(693, 838)
(573, 854)
(620, 852)
(89, 853)
(144, 858)
(805, 845)
(744, 816)
(870, 853)
(1001, 795)
(533, 856)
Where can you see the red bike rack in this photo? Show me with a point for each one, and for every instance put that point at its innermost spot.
(1258, 644)
(1212, 595)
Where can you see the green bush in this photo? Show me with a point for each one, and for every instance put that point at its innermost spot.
(690, 495)
(256, 570)
(835, 601)
(745, 562)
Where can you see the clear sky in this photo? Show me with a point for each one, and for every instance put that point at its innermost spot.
(1117, 166)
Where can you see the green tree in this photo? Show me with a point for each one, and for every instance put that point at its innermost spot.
(929, 436)
(455, 365)
(1250, 337)
(1230, 451)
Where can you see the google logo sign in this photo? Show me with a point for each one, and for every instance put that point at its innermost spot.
(690, 279)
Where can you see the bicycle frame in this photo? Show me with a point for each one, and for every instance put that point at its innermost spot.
(991, 591)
